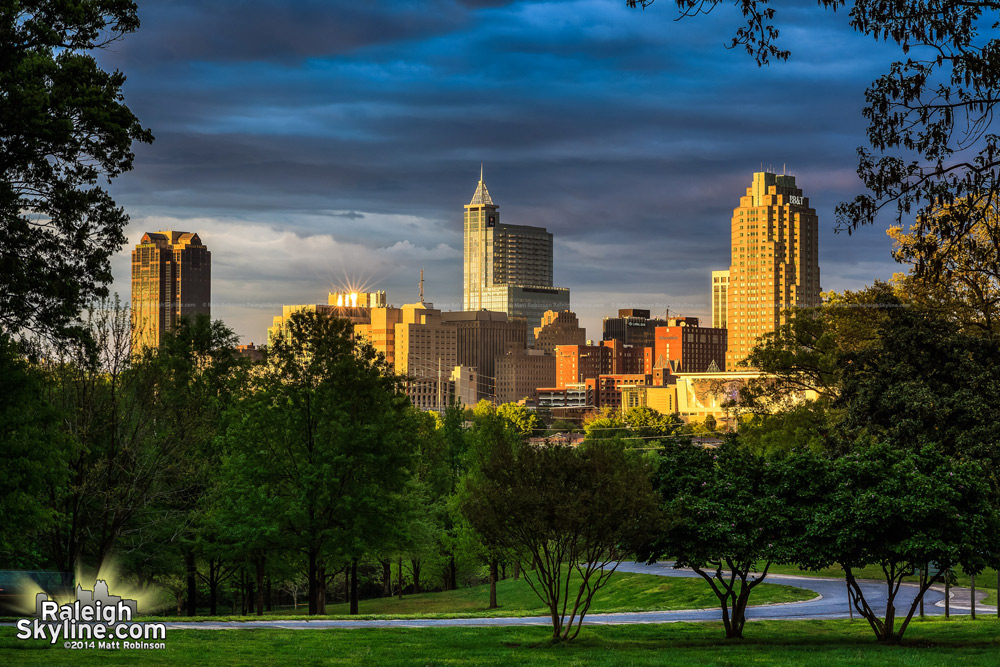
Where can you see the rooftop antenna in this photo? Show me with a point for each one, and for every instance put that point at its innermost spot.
(480, 172)
(421, 285)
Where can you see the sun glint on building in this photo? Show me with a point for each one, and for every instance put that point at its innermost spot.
(775, 261)
(171, 279)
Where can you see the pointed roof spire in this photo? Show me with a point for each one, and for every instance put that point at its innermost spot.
(482, 195)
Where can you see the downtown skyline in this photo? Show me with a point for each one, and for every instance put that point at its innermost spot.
(342, 145)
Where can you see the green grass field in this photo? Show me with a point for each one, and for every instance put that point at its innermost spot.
(779, 643)
(624, 592)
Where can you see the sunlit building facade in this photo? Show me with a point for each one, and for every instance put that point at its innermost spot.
(775, 261)
(171, 279)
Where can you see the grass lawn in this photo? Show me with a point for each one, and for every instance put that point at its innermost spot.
(624, 592)
(930, 642)
(986, 580)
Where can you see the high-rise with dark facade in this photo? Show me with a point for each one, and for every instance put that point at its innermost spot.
(775, 261)
(171, 279)
(507, 268)
(633, 326)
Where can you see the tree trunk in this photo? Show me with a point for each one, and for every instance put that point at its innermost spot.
(503, 570)
(251, 598)
(386, 578)
(180, 603)
(415, 564)
(517, 570)
(399, 575)
(452, 573)
(354, 586)
(270, 598)
(321, 588)
(192, 585)
(311, 576)
(260, 586)
(972, 594)
(493, 584)
(947, 595)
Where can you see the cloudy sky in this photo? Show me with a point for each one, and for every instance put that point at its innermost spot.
(317, 143)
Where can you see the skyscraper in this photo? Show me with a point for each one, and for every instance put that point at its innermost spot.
(171, 278)
(507, 268)
(775, 261)
(720, 287)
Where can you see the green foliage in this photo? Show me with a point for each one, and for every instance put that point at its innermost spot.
(560, 513)
(65, 128)
(525, 420)
(728, 513)
(31, 461)
(330, 436)
(637, 427)
(901, 509)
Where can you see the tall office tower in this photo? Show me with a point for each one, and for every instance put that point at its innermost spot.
(171, 279)
(633, 326)
(507, 268)
(720, 286)
(775, 261)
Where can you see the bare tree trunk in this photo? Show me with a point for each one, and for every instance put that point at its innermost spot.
(517, 570)
(453, 574)
(399, 575)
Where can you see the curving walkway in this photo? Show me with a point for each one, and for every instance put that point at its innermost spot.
(830, 602)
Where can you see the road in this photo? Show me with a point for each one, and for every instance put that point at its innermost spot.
(830, 602)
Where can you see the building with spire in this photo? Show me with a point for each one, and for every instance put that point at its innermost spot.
(775, 261)
(507, 268)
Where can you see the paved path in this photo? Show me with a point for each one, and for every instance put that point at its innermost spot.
(830, 602)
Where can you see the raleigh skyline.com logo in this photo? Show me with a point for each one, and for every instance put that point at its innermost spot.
(95, 620)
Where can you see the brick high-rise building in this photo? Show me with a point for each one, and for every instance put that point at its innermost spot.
(685, 347)
(579, 363)
(521, 372)
(775, 261)
(507, 268)
(559, 328)
(171, 279)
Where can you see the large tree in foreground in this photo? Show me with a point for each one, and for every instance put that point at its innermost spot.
(64, 133)
(729, 514)
(901, 510)
(566, 516)
(328, 434)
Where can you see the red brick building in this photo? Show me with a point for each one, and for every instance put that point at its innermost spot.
(683, 346)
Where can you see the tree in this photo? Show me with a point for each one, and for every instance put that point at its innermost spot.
(729, 514)
(928, 115)
(65, 127)
(901, 509)
(955, 278)
(566, 516)
(525, 420)
(327, 431)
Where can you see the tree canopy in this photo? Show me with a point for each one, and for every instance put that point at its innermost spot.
(64, 128)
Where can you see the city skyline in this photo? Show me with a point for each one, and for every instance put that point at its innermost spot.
(337, 146)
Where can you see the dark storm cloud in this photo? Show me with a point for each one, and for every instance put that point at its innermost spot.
(630, 136)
